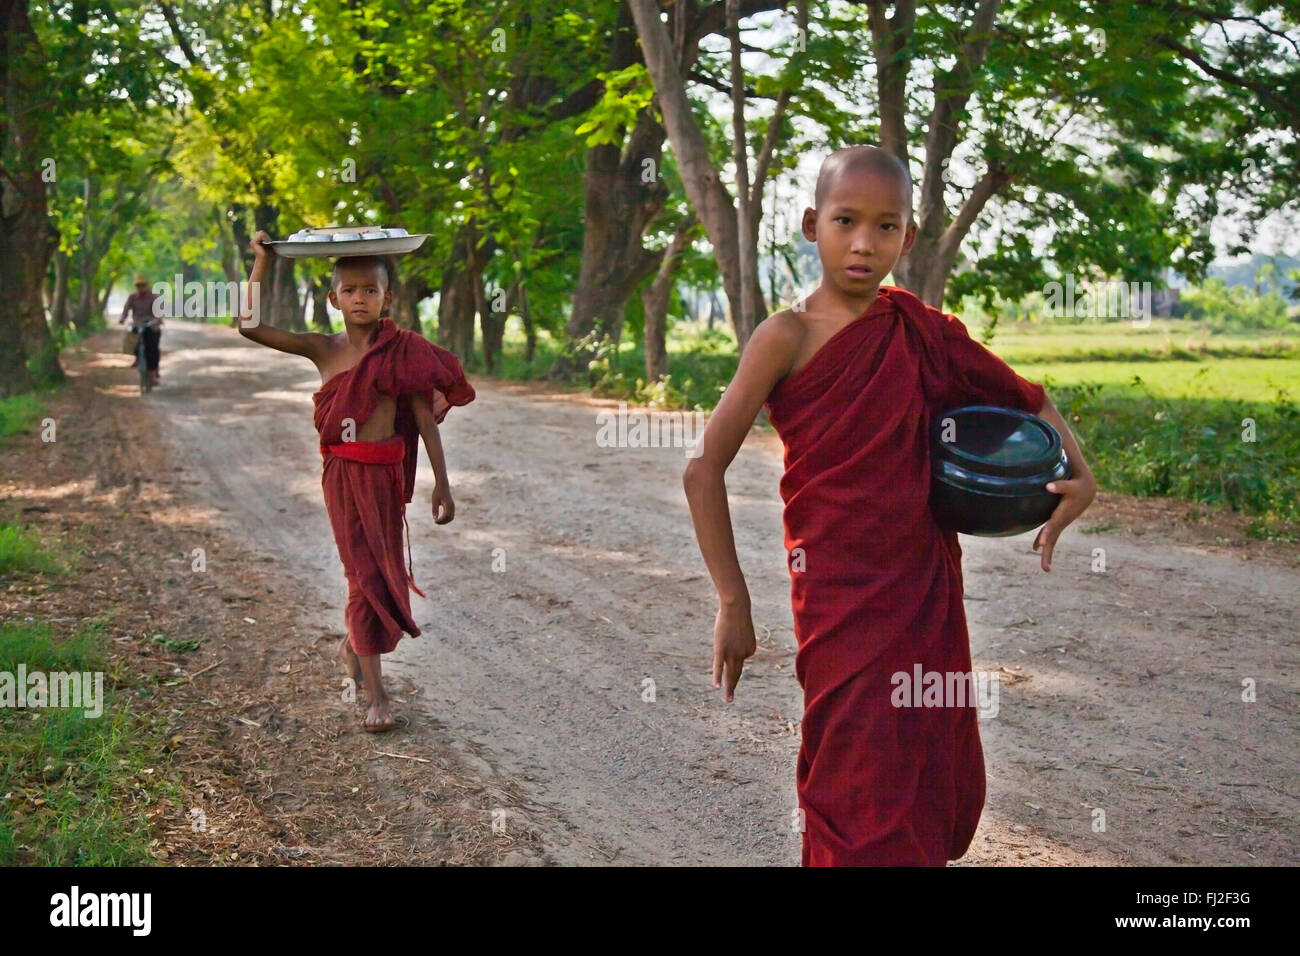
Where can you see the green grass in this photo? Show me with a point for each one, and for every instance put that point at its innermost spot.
(74, 790)
(1163, 340)
(1261, 381)
(20, 414)
(21, 550)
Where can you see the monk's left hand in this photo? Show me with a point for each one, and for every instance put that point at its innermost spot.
(1076, 494)
(444, 509)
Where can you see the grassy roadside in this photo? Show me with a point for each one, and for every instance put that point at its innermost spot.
(1162, 411)
(74, 789)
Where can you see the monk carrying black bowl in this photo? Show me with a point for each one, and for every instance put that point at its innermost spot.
(851, 380)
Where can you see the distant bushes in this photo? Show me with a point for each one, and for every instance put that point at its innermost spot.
(1193, 449)
(1233, 307)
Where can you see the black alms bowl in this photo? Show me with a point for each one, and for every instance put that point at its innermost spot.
(988, 469)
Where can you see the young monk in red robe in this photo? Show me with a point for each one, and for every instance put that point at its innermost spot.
(383, 389)
(851, 380)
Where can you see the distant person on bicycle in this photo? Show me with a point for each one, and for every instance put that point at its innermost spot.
(140, 304)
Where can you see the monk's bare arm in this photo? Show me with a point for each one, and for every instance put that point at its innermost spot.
(1076, 493)
(444, 508)
(767, 359)
(309, 344)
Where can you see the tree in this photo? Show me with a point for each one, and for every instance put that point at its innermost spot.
(24, 244)
(1105, 132)
(730, 223)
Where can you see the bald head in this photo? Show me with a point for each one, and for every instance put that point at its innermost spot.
(871, 160)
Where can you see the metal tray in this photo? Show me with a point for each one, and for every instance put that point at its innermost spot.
(331, 247)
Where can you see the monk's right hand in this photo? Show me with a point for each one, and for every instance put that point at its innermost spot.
(260, 251)
(733, 641)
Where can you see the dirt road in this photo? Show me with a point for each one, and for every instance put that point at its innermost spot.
(570, 576)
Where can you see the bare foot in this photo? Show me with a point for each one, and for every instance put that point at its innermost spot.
(379, 717)
(349, 658)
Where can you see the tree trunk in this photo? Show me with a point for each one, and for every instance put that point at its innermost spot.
(456, 308)
(59, 304)
(82, 314)
(656, 297)
(229, 254)
(493, 325)
(926, 267)
(709, 197)
(747, 233)
(286, 307)
(102, 304)
(28, 356)
(526, 315)
(407, 295)
(320, 314)
(623, 193)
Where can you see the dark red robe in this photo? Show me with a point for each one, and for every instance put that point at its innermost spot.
(367, 484)
(880, 588)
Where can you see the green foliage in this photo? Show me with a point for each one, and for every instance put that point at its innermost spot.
(1223, 307)
(627, 93)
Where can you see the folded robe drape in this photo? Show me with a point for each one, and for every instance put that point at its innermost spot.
(876, 585)
(367, 484)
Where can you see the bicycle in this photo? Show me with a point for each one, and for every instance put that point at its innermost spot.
(146, 380)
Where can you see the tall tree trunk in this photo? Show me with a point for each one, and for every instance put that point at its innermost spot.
(59, 304)
(320, 314)
(285, 304)
(474, 264)
(226, 245)
(702, 181)
(27, 351)
(456, 307)
(926, 267)
(655, 298)
(102, 303)
(622, 194)
(492, 321)
(526, 315)
(407, 295)
(747, 233)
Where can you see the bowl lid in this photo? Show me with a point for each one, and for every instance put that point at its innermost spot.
(992, 440)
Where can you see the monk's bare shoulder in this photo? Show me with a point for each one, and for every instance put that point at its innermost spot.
(778, 340)
(334, 354)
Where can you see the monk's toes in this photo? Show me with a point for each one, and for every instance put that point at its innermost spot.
(377, 721)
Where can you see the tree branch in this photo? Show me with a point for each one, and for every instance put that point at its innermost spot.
(892, 39)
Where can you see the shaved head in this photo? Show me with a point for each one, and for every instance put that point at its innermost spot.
(864, 159)
(362, 264)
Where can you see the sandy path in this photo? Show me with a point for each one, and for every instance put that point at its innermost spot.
(534, 674)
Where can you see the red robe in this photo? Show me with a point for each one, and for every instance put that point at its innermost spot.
(877, 586)
(367, 484)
